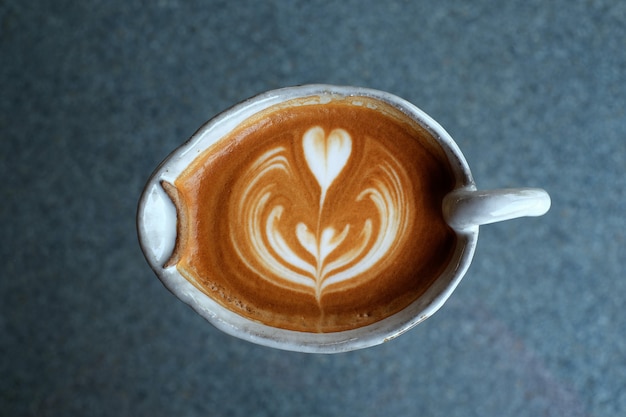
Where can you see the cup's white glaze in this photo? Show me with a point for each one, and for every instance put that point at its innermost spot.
(465, 209)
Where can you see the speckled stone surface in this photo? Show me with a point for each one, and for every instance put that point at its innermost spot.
(94, 94)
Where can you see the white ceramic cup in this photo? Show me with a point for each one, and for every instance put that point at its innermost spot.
(465, 209)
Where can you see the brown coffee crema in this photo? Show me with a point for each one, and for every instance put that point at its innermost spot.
(315, 217)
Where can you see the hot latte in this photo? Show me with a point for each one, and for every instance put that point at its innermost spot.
(315, 216)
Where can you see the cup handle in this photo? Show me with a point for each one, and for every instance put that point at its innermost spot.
(465, 208)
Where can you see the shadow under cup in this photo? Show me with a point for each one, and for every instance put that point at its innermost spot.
(157, 229)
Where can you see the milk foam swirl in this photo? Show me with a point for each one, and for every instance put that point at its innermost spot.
(312, 255)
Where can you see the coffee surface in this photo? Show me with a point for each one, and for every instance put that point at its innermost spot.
(316, 217)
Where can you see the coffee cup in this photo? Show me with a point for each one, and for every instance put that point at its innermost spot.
(318, 218)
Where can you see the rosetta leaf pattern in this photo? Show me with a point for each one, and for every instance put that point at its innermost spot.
(340, 252)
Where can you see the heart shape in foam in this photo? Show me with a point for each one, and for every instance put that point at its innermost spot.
(326, 156)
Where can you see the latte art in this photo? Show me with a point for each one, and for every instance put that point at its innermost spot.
(326, 255)
(316, 217)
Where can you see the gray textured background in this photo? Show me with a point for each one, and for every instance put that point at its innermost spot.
(94, 94)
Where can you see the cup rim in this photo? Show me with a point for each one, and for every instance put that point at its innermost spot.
(156, 221)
